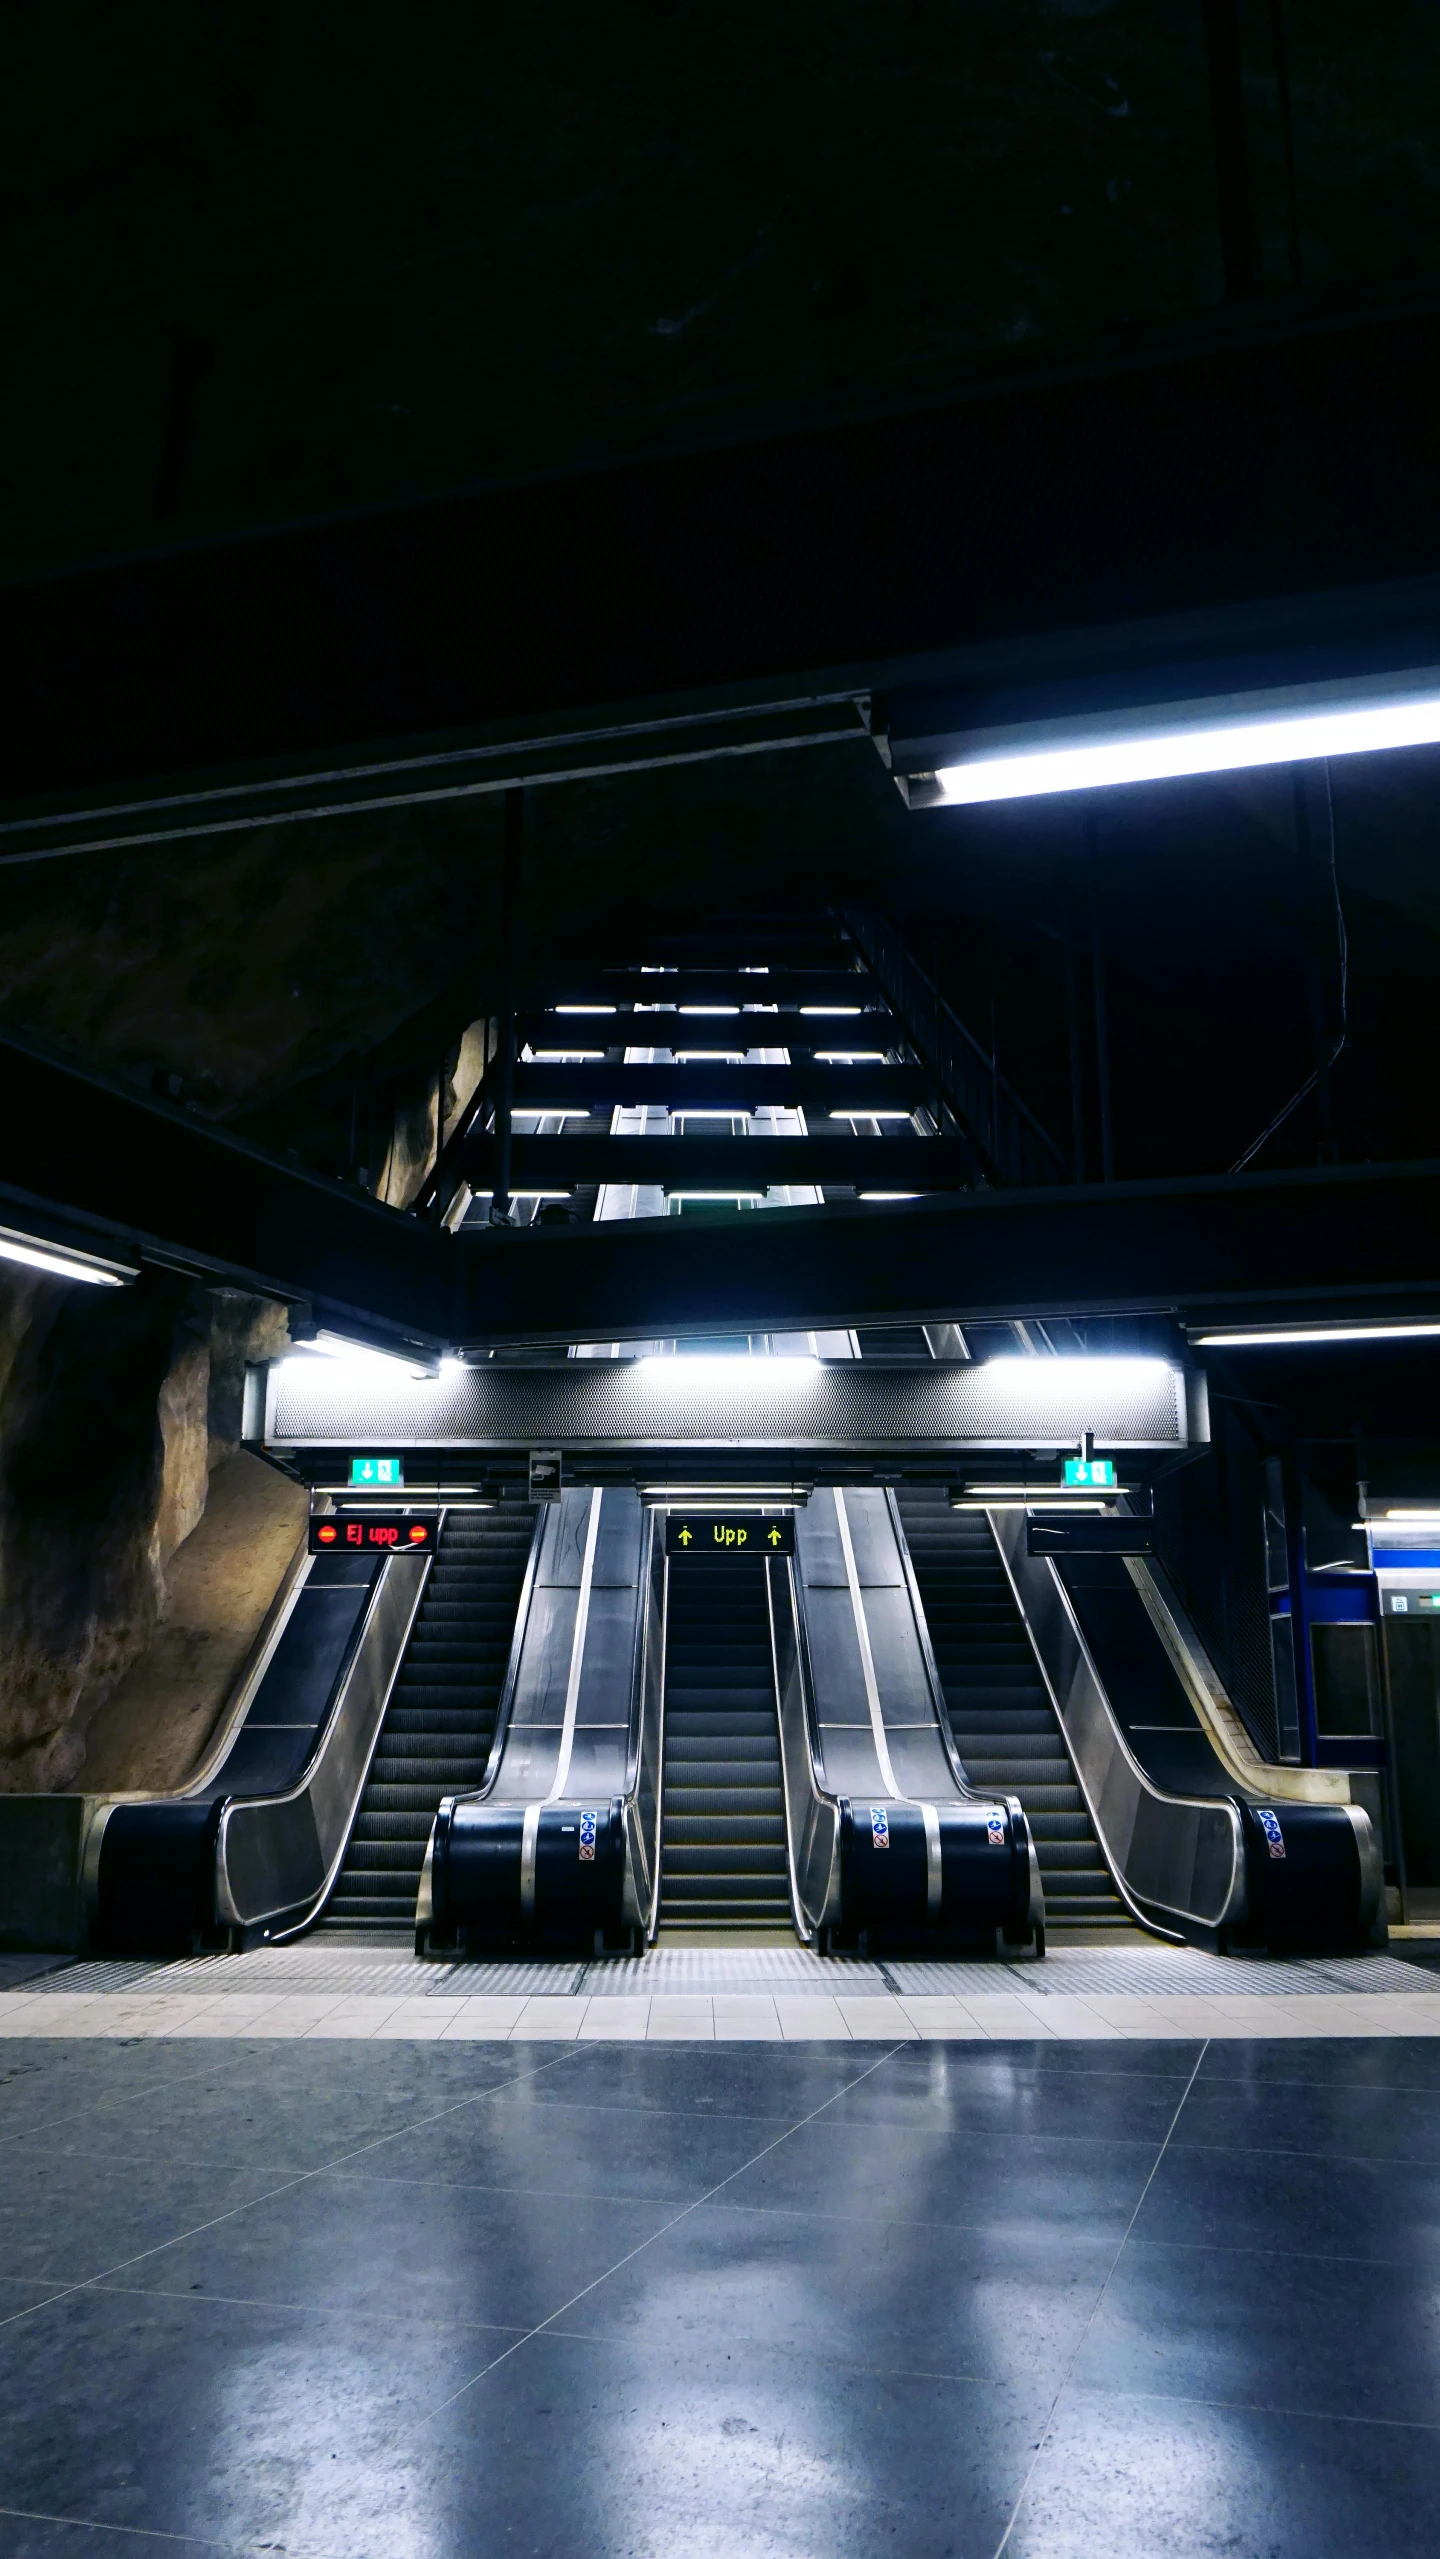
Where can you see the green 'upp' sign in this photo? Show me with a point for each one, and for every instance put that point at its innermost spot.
(728, 1533)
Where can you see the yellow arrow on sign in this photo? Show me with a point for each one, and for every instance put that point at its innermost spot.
(684, 1537)
(774, 1536)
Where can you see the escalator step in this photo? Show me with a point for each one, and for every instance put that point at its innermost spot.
(439, 1726)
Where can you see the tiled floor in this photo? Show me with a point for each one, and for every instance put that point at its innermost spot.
(766, 1995)
(403, 2298)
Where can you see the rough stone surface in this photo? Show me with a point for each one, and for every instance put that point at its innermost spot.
(158, 1723)
(107, 1425)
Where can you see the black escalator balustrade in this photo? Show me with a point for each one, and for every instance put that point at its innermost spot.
(723, 1861)
(441, 1720)
(1005, 1727)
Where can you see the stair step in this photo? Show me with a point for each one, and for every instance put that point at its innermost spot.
(1005, 1727)
(439, 1726)
(723, 1858)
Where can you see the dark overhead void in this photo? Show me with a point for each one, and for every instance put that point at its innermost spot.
(659, 410)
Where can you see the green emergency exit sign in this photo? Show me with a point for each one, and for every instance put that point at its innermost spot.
(379, 1474)
(1090, 1475)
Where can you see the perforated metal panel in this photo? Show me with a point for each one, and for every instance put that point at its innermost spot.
(599, 1404)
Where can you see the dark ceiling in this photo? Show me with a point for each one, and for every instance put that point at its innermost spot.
(265, 266)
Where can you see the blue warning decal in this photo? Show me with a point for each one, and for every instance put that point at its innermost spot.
(995, 1830)
(1270, 1824)
(879, 1826)
(587, 1839)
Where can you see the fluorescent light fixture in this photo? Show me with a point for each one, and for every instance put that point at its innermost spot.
(708, 1056)
(1413, 1519)
(363, 1357)
(849, 1057)
(1281, 1335)
(59, 1262)
(1154, 749)
(703, 1368)
(565, 1056)
(583, 1008)
(452, 1365)
(984, 1502)
(858, 1112)
(832, 1012)
(890, 1195)
(707, 1008)
(725, 1198)
(1105, 1369)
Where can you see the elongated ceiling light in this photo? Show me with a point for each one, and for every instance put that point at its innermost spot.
(1152, 748)
(35, 1254)
(1284, 1337)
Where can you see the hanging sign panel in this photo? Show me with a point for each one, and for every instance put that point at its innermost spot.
(730, 1533)
(373, 1533)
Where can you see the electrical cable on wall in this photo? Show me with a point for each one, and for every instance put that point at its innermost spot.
(1343, 946)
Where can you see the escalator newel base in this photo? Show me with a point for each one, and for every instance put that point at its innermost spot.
(957, 1871)
(528, 1874)
(155, 1879)
(1307, 1881)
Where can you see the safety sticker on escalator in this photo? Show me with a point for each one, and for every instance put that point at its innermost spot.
(995, 1830)
(587, 1839)
(879, 1826)
(1270, 1824)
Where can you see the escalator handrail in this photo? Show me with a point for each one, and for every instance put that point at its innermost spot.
(357, 1713)
(647, 1651)
(1219, 1810)
(500, 1735)
(938, 1700)
(807, 1797)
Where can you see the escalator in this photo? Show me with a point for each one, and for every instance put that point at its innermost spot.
(723, 1860)
(437, 1732)
(1005, 1727)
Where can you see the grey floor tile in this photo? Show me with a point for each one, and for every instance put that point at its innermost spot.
(448, 2252)
(1020, 2183)
(654, 2450)
(903, 2297)
(1142, 2478)
(295, 2115)
(1251, 2328)
(246, 2426)
(38, 2537)
(981, 2089)
(1371, 2061)
(1369, 2122)
(73, 2216)
(1386, 2210)
(1138, 2057)
(517, 2141)
(785, 2081)
(45, 2082)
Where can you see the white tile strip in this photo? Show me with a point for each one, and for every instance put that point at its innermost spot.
(728, 2017)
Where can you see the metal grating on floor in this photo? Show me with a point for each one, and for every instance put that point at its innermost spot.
(98, 1975)
(1177, 1972)
(706, 1971)
(317, 1970)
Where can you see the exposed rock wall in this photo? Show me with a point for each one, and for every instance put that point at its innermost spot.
(114, 1404)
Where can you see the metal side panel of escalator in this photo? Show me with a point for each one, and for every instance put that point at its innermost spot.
(1197, 1852)
(555, 1844)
